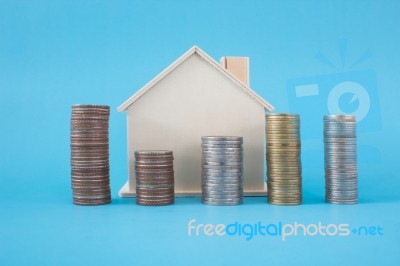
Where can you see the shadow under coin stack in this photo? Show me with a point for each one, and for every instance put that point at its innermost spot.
(154, 177)
(341, 182)
(283, 159)
(90, 170)
(222, 170)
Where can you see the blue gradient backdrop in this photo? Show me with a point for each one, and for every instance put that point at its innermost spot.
(56, 53)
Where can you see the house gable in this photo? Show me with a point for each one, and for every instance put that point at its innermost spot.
(191, 52)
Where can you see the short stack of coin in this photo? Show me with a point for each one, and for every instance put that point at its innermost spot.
(283, 159)
(222, 170)
(154, 171)
(90, 170)
(341, 182)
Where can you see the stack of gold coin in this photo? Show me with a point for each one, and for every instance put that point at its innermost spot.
(283, 159)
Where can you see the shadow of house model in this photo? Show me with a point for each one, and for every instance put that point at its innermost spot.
(193, 97)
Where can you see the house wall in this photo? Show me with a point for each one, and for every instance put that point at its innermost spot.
(196, 100)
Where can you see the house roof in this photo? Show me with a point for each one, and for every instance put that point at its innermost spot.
(178, 62)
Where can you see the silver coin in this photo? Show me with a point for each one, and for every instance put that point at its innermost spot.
(341, 180)
(237, 176)
(221, 138)
(221, 187)
(222, 171)
(222, 203)
(222, 167)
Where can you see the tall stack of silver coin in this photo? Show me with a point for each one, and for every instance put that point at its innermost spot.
(222, 170)
(154, 171)
(90, 170)
(341, 182)
(283, 159)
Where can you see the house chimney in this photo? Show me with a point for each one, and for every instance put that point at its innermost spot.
(237, 66)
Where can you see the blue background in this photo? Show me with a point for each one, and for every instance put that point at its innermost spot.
(56, 53)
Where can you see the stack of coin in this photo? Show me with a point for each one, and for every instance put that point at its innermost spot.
(90, 170)
(154, 171)
(341, 182)
(283, 159)
(222, 170)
